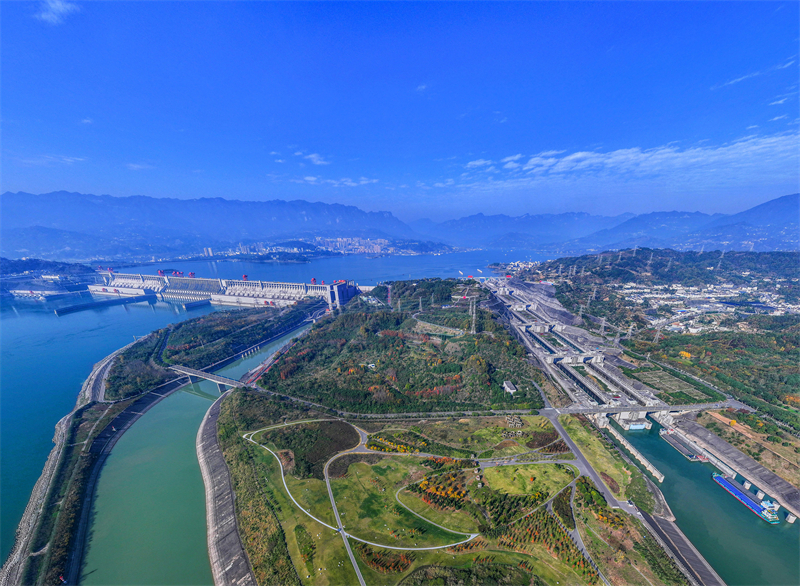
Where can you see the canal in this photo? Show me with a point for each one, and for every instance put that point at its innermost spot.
(149, 514)
(743, 549)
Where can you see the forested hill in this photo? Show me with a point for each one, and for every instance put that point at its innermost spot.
(15, 267)
(665, 266)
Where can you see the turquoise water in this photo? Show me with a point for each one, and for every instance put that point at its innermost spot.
(743, 549)
(44, 359)
(150, 500)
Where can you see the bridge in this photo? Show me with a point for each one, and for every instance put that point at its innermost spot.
(604, 409)
(223, 382)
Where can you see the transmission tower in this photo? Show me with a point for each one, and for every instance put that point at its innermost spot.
(658, 333)
(473, 313)
(635, 248)
(630, 331)
(649, 262)
(602, 327)
(420, 304)
(620, 256)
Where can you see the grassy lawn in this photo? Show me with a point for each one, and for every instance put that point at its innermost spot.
(366, 503)
(330, 550)
(599, 456)
(312, 494)
(547, 478)
(511, 450)
(455, 520)
(544, 565)
(476, 434)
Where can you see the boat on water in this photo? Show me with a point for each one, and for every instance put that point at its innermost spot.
(765, 509)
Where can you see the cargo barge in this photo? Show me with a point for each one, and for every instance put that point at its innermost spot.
(765, 510)
(686, 450)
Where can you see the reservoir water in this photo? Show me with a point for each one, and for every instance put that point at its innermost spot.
(743, 549)
(45, 359)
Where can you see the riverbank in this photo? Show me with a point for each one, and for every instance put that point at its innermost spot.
(71, 472)
(229, 563)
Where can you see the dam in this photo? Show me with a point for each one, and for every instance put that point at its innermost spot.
(234, 292)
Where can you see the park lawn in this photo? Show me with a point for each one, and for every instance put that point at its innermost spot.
(368, 509)
(455, 520)
(473, 433)
(312, 494)
(330, 548)
(511, 450)
(594, 449)
(548, 478)
(545, 566)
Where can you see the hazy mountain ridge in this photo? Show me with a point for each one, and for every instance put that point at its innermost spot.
(773, 225)
(64, 225)
(528, 230)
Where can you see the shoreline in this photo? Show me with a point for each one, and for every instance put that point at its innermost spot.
(92, 390)
(229, 561)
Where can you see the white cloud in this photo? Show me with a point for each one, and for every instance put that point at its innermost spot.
(747, 161)
(273, 153)
(776, 102)
(87, 121)
(511, 158)
(139, 166)
(55, 11)
(422, 87)
(778, 118)
(478, 163)
(316, 159)
(298, 153)
(756, 74)
(751, 127)
(47, 160)
(511, 165)
(280, 160)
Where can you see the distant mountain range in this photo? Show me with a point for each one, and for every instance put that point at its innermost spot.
(774, 225)
(70, 226)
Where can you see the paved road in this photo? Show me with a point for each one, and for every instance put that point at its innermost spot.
(359, 449)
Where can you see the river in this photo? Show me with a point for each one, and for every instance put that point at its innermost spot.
(46, 358)
(150, 501)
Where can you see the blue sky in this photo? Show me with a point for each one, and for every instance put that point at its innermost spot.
(424, 109)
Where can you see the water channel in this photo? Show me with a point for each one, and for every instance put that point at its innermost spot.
(45, 360)
(743, 549)
(150, 501)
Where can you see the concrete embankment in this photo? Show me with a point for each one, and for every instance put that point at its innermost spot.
(692, 563)
(636, 454)
(104, 303)
(229, 562)
(780, 490)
